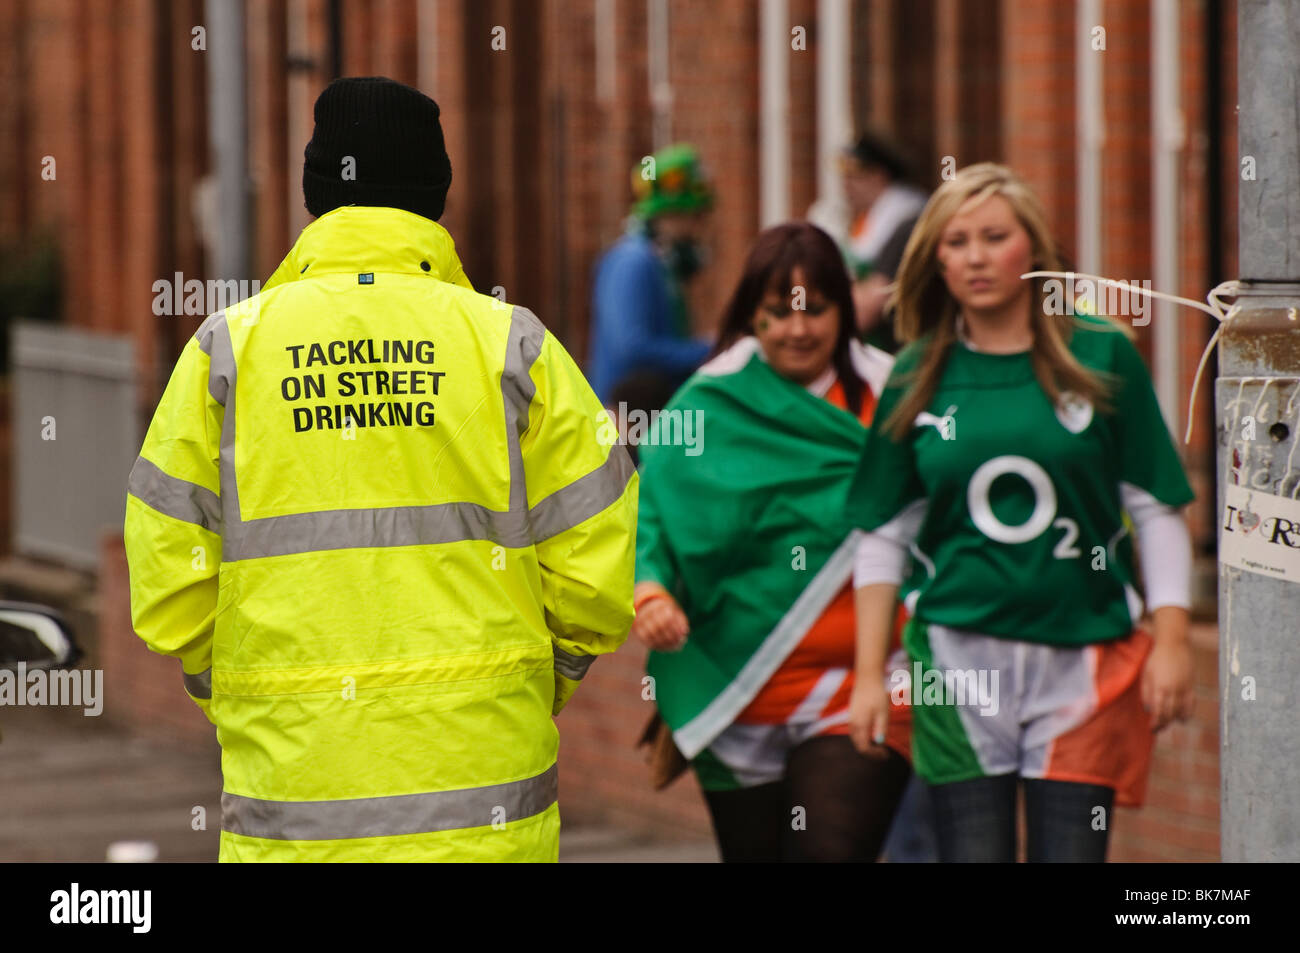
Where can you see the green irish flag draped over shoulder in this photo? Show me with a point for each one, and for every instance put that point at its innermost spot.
(744, 525)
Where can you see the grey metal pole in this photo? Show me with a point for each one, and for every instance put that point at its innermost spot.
(228, 135)
(1257, 401)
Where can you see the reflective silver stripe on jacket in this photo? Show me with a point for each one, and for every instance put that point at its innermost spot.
(570, 665)
(517, 527)
(200, 685)
(583, 498)
(390, 816)
(523, 346)
(174, 497)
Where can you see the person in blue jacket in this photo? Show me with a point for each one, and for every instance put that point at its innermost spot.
(640, 321)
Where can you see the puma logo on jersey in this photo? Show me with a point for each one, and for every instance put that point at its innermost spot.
(946, 425)
(1074, 411)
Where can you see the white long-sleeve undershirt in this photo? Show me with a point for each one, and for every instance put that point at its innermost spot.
(1164, 548)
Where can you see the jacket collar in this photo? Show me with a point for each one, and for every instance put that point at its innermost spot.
(355, 239)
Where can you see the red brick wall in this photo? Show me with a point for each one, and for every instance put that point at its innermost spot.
(714, 73)
(803, 107)
(915, 82)
(268, 125)
(978, 36)
(449, 92)
(1037, 85)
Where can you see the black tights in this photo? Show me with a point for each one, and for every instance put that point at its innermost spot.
(833, 805)
(976, 820)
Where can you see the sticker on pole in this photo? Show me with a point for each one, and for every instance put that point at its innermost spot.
(1260, 533)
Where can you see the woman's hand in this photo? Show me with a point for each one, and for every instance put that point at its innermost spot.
(660, 623)
(869, 716)
(1167, 676)
(869, 298)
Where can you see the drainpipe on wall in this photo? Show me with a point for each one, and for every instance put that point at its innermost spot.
(774, 112)
(834, 110)
(1091, 131)
(225, 204)
(661, 90)
(1166, 145)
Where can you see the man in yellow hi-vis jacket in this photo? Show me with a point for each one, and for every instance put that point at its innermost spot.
(375, 520)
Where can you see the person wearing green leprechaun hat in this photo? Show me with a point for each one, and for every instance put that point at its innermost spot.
(640, 321)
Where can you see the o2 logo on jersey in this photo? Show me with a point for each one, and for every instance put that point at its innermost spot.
(1074, 411)
(1043, 516)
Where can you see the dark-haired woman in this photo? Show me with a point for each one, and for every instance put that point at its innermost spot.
(1010, 441)
(744, 565)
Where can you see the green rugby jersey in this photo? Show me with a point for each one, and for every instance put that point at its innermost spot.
(1023, 535)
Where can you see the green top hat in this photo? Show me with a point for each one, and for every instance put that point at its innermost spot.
(673, 182)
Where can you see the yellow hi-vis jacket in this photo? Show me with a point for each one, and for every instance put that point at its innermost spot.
(379, 519)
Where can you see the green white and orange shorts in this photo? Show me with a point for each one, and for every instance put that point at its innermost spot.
(747, 754)
(988, 706)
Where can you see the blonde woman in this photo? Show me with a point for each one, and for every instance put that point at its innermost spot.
(1014, 434)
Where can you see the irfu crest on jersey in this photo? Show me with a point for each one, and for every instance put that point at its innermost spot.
(1074, 411)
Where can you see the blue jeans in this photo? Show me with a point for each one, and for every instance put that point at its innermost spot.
(976, 820)
(912, 838)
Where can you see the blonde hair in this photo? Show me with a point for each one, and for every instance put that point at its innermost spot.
(924, 306)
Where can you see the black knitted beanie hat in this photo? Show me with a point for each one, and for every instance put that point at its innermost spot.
(376, 142)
